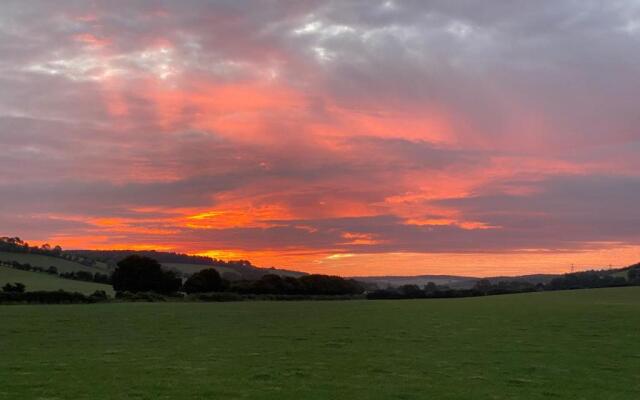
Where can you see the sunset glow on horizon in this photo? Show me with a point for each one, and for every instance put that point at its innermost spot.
(352, 138)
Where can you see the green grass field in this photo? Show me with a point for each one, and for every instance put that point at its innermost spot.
(43, 281)
(561, 345)
(40, 260)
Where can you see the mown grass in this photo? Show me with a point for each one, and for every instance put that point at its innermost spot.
(560, 345)
(43, 281)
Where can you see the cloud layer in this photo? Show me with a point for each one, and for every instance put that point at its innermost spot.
(350, 137)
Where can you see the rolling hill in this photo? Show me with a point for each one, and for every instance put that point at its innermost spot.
(45, 261)
(187, 264)
(43, 281)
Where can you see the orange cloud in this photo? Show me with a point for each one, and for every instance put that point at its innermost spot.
(360, 238)
(251, 216)
(91, 40)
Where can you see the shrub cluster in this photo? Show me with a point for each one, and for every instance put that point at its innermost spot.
(215, 297)
(17, 287)
(51, 297)
(87, 277)
(140, 296)
(77, 275)
(306, 285)
(233, 296)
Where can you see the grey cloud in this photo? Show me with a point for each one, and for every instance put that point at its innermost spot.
(550, 79)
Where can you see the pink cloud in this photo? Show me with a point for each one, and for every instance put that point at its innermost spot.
(314, 131)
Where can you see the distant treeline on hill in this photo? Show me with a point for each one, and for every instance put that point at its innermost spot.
(53, 270)
(138, 273)
(484, 287)
(90, 258)
(111, 257)
(17, 245)
(141, 272)
(140, 278)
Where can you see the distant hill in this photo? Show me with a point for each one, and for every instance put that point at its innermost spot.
(186, 264)
(44, 281)
(467, 282)
(46, 261)
(420, 280)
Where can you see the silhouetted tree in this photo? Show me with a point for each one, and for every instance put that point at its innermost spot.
(57, 251)
(99, 295)
(143, 274)
(101, 278)
(430, 288)
(411, 291)
(207, 280)
(483, 286)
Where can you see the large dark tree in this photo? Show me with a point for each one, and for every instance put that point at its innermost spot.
(207, 280)
(143, 274)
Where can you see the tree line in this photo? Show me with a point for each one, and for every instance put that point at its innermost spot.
(84, 276)
(144, 274)
(16, 294)
(17, 245)
(141, 278)
(112, 257)
(484, 287)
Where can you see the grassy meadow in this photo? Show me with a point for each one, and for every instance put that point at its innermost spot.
(554, 345)
(44, 261)
(43, 281)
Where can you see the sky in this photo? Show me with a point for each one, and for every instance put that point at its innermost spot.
(350, 137)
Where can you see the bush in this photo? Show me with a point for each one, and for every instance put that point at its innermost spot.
(45, 297)
(215, 297)
(140, 296)
(17, 287)
(99, 296)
